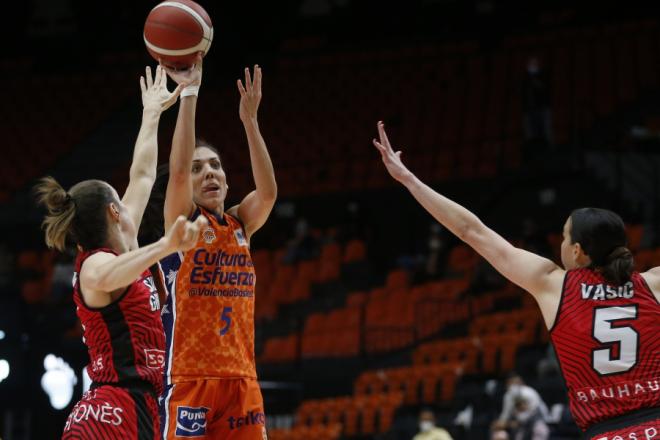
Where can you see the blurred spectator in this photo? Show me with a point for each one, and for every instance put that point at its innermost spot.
(528, 423)
(516, 389)
(549, 365)
(303, 245)
(536, 106)
(427, 428)
(437, 248)
(499, 434)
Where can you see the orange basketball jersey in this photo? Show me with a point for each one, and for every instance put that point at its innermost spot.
(209, 313)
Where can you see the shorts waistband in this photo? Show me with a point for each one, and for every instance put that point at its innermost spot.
(623, 421)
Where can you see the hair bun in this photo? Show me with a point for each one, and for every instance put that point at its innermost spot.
(619, 252)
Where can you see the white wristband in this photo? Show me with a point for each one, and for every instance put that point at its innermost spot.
(190, 91)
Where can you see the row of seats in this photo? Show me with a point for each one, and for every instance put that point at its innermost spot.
(468, 124)
(46, 116)
(431, 379)
(366, 414)
(390, 322)
(331, 431)
(419, 383)
(280, 283)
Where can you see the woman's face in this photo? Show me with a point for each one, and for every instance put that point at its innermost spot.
(208, 179)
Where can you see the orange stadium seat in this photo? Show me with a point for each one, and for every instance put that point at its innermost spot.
(330, 263)
(396, 279)
(355, 251)
(506, 345)
(356, 299)
(283, 349)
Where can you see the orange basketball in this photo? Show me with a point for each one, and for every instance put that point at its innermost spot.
(176, 30)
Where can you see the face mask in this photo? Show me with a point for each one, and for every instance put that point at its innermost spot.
(425, 426)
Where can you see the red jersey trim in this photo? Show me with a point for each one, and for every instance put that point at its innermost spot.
(561, 303)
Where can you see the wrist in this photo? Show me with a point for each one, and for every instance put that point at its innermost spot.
(191, 90)
(250, 121)
(151, 111)
(165, 246)
(409, 180)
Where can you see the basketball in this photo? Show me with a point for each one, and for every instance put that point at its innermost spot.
(176, 30)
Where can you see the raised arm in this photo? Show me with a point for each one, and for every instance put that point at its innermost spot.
(652, 278)
(155, 99)
(537, 275)
(179, 194)
(255, 208)
(103, 273)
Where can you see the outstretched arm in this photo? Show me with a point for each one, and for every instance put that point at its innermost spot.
(652, 278)
(155, 99)
(255, 208)
(104, 273)
(179, 194)
(539, 276)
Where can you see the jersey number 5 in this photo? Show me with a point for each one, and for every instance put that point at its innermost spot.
(624, 337)
(226, 318)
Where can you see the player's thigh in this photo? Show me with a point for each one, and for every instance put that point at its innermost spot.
(243, 417)
(113, 413)
(185, 409)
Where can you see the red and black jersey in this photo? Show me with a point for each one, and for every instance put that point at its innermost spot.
(125, 339)
(607, 339)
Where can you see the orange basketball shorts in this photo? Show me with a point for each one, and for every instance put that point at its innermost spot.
(222, 409)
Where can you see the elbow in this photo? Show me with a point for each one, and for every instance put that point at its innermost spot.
(470, 233)
(464, 232)
(148, 176)
(143, 171)
(269, 195)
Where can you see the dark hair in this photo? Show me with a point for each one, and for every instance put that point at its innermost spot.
(201, 142)
(602, 235)
(77, 216)
(152, 227)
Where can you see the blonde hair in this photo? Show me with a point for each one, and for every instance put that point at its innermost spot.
(75, 216)
(61, 212)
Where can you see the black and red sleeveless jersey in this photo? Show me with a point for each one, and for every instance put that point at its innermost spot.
(607, 339)
(125, 339)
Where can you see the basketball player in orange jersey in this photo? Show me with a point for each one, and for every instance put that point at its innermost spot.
(115, 294)
(603, 317)
(211, 385)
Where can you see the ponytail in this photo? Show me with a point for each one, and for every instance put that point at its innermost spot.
(602, 235)
(618, 267)
(75, 216)
(61, 212)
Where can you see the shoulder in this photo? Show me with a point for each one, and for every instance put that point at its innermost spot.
(232, 213)
(95, 258)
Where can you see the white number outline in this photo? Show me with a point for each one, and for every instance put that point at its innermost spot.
(603, 336)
